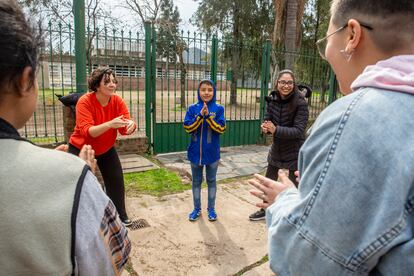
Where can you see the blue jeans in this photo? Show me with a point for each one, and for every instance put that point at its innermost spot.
(197, 174)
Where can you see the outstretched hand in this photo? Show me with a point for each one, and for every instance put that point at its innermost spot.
(267, 189)
(88, 155)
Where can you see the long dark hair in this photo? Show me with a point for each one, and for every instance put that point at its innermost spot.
(293, 103)
(19, 46)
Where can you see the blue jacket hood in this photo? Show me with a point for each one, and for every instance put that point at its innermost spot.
(213, 100)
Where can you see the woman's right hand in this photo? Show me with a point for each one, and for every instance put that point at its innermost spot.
(117, 122)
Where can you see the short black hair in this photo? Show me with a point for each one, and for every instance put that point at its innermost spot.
(342, 10)
(97, 75)
(392, 20)
(19, 45)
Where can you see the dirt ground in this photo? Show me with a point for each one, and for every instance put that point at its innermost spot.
(172, 245)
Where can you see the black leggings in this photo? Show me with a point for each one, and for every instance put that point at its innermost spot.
(111, 170)
(272, 171)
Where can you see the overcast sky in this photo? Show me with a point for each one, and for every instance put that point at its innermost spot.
(185, 7)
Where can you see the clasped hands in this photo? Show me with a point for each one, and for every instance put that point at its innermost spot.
(268, 127)
(204, 111)
(120, 122)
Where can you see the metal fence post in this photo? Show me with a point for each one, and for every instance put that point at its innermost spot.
(148, 83)
(214, 46)
(80, 45)
(265, 76)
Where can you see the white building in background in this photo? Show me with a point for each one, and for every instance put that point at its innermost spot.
(128, 60)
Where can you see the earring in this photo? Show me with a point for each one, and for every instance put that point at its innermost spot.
(347, 56)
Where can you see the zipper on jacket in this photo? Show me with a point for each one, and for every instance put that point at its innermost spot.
(201, 141)
(280, 121)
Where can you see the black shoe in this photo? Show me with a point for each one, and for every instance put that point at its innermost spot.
(127, 222)
(259, 215)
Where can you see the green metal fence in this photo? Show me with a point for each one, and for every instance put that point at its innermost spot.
(159, 82)
(122, 51)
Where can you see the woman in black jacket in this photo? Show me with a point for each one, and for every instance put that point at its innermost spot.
(285, 118)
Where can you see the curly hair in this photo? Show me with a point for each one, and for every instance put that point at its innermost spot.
(97, 75)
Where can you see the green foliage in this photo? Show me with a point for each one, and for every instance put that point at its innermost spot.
(154, 182)
(241, 37)
(169, 42)
(315, 22)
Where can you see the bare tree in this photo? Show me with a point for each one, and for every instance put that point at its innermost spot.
(61, 12)
(147, 10)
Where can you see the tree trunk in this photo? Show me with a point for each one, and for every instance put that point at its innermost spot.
(290, 33)
(315, 38)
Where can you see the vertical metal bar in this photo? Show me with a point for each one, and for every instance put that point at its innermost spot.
(129, 72)
(79, 10)
(213, 68)
(148, 66)
(88, 58)
(61, 58)
(70, 56)
(106, 46)
(52, 75)
(97, 48)
(188, 68)
(123, 62)
(265, 76)
(138, 76)
(175, 82)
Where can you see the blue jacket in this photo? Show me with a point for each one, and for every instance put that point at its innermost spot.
(205, 131)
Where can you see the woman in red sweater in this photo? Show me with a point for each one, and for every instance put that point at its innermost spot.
(100, 115)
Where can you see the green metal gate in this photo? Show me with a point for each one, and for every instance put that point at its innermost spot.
(172, 77)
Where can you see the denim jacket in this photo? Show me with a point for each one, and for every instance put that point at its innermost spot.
(353, 213)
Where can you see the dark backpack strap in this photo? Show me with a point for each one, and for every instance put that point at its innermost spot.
(75, 208)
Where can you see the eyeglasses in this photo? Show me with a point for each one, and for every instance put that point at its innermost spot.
(283, 83)
(321, 43)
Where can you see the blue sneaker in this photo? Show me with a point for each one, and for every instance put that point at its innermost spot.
(195, 214)
(212, 215)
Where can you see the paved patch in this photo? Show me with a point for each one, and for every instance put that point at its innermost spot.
(234, 162)
(136, 163)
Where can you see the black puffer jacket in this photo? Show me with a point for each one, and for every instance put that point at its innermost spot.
(290, 117)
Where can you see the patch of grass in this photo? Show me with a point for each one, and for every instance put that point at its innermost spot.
(130, 268)
(154, 182)
(45, 140)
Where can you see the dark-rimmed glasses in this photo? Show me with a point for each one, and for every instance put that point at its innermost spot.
(283, 83)
(321, 43)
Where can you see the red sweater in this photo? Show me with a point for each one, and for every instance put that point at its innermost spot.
(89, 112)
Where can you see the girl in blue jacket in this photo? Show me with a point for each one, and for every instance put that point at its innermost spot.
(205, 122)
